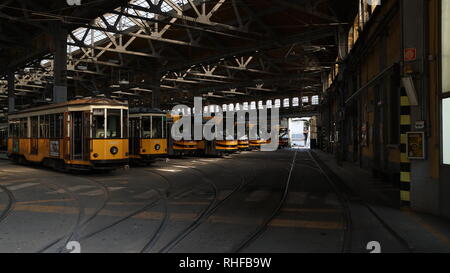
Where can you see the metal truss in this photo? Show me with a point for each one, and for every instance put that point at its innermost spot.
(132, 38)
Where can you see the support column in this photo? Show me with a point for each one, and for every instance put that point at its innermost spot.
(418, 187)
(156, 87)
(60, 64)
(11, 91)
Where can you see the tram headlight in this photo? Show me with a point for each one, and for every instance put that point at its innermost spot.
(157, 147)
(95, 155)
(114, 150)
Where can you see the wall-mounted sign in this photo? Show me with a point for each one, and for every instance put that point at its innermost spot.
(416, 145)
(410, 54)
(15, 146)
(419, 125)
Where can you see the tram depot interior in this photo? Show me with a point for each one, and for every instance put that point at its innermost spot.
(91, 93)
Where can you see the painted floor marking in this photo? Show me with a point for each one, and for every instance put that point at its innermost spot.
(100, 192)
(152, 215)
(258, 196)
(73, 189)
(297, 198)
(146, 195)
(22, 186)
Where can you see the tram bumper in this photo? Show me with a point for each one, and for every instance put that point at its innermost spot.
(109, 164)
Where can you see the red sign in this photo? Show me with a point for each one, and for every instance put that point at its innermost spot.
(410, 54)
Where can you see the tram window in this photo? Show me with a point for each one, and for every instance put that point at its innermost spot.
(98, 123)
(56, 125)
(157, 127)
(23, 129)
(146, 127)
(114, 122)
(14, 128)
(34, 127)
(52, 123)
(59, 126)
(44, 126)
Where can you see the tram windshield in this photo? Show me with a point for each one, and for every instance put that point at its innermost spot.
(107, 123)
(114, 123)
(98, 123)
(157, 127)
(153, 127)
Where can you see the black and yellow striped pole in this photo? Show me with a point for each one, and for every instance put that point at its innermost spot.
(405, 163)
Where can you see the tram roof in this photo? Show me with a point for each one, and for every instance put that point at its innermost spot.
(79, 102)
(146, 110)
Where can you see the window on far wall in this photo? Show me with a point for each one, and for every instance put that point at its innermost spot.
(260, 105)
(295, 102)
(445, 70)
(446, 131)
(277, 103)
(286, 103)
(315, 100)
(445, 40)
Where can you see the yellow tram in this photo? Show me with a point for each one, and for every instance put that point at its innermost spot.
(243, 141)
(255, 144)
(82, 134)
(148, 135)
(224, 146)
(244, 144)
(3, 137)
(180, 147)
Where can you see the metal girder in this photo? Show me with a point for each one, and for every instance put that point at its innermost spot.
(227, 68)
(307, 36)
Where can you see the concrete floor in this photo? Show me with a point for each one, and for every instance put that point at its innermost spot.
(201, 205)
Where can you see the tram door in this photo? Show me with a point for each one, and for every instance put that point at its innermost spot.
(34, 147)
(80, 136)
(135, 136)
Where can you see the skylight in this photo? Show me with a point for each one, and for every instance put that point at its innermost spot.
(125, 23)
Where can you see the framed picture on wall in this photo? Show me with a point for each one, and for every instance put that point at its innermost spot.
(364, 134)
(416, 145)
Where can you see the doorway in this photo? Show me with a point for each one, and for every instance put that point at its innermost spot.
(80, 136)
(300, 133)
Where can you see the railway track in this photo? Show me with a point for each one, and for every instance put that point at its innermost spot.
(9, 204)
(344, 197)
(262, 227)
(208, 211)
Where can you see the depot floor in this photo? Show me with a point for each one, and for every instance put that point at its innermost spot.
(201, 205)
